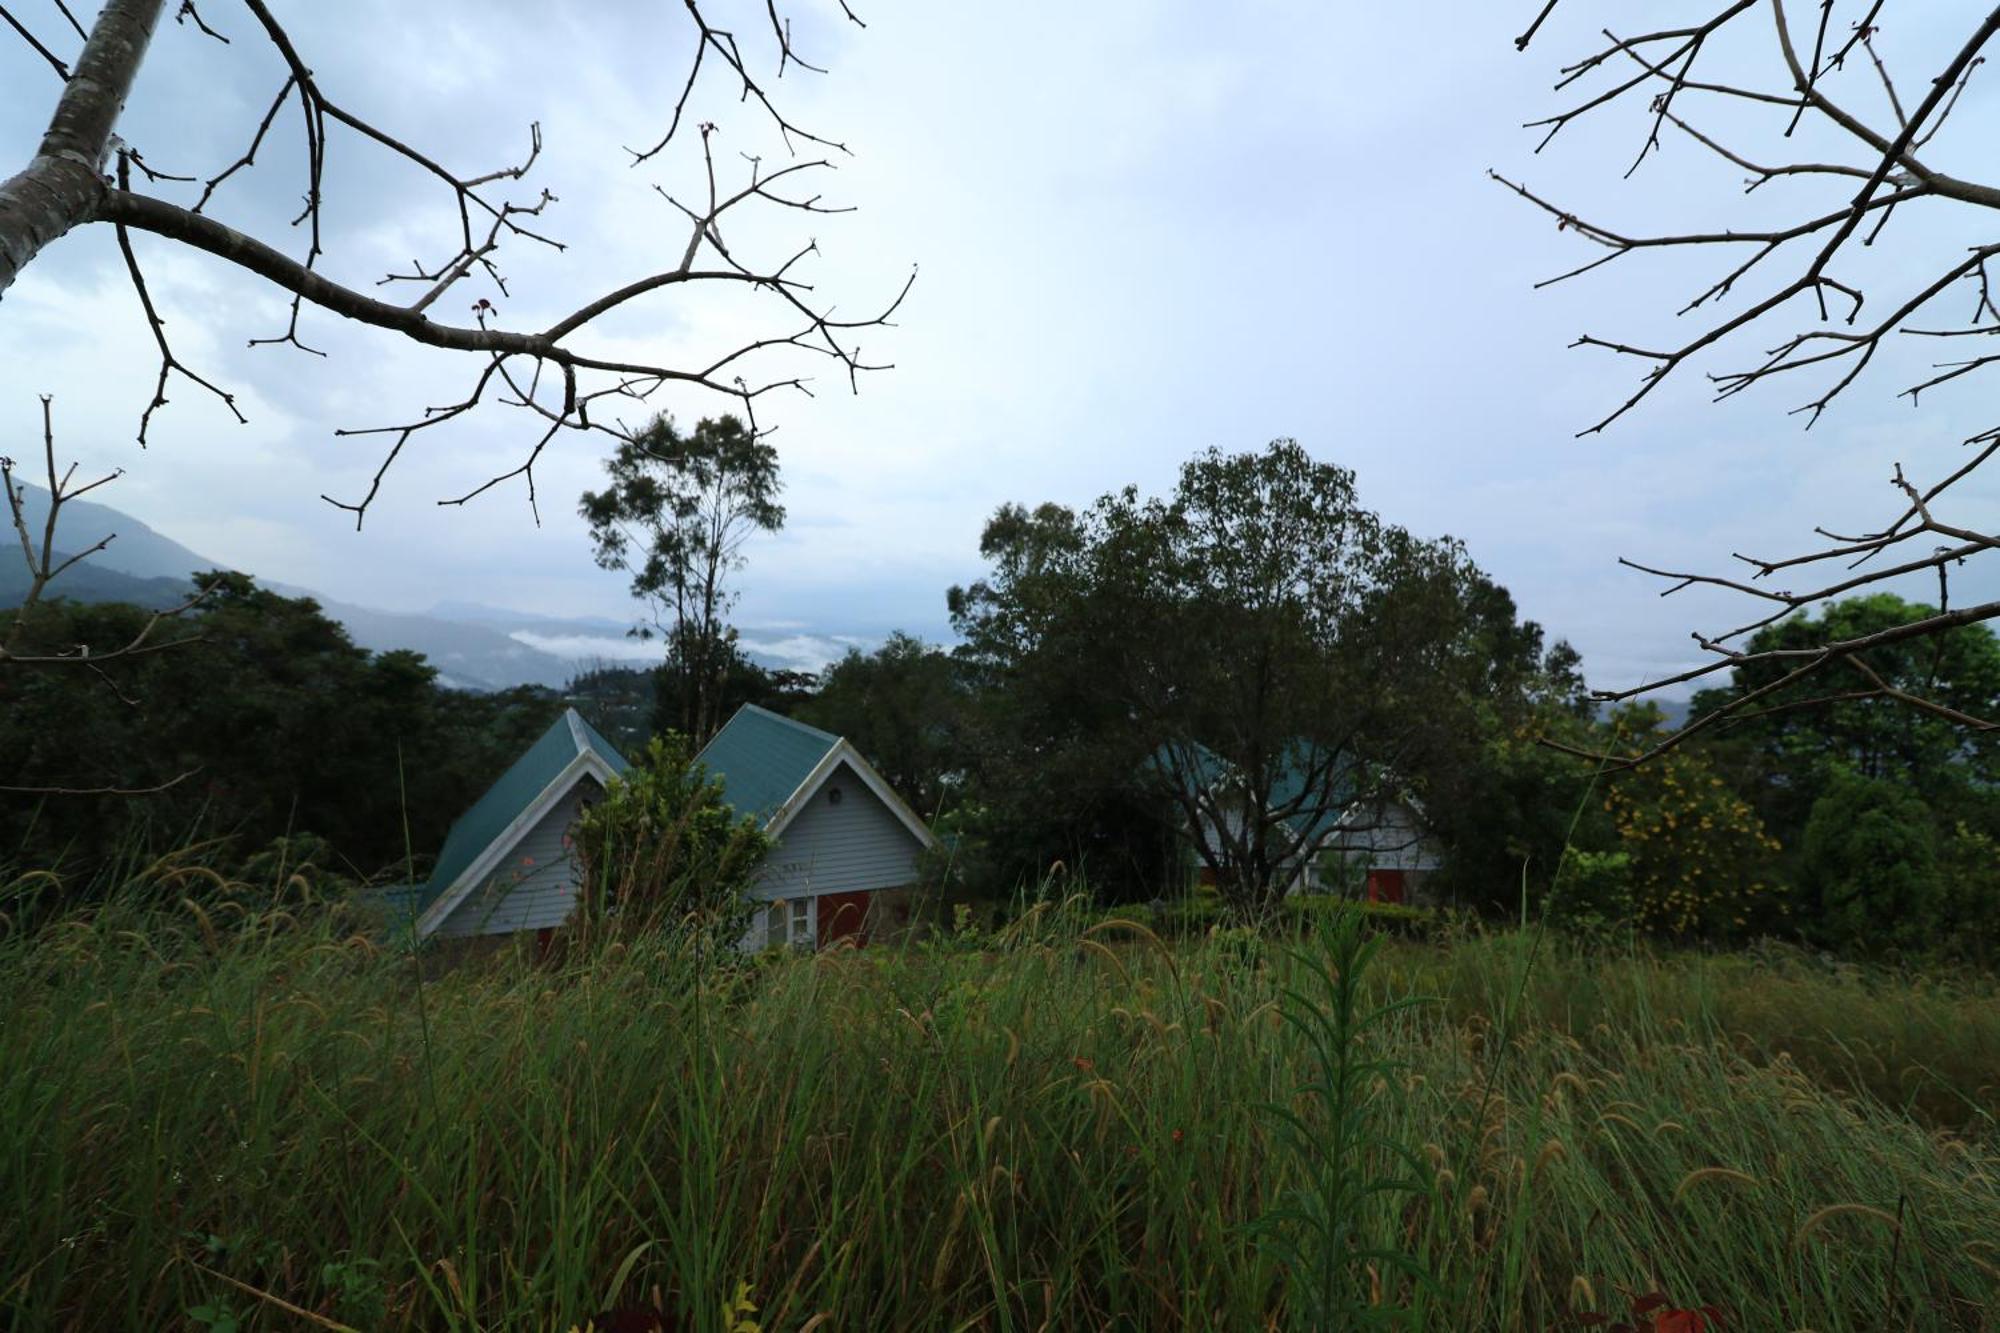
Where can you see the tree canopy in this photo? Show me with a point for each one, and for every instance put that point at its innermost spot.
(675, 515)
(1253, 654)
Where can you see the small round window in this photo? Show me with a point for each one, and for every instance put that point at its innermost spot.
(833, 796)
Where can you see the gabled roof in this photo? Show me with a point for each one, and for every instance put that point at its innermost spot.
(566, 752)
(1310, 823)
(762, 758)
(770, 766)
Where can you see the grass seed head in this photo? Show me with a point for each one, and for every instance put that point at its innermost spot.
(1831, 1211)
(1696, 1177)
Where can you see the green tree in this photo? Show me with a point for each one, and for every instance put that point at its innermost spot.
(675, 516)
(1506, 805)
(662, 847)
(1254, 652)
(1508, 812)
(1701, 861)
(1969, 893)
(1790, 752)
(1053, 776)
(1869, 875)
(742, 680)
(903, 707)
(268, 722)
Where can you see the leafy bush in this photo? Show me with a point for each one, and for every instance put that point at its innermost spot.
(1592, 895)
(662, 846)
(1700, 856)
(1310, 911)
(1870, 866)
(1202, 913)
(1969, 893)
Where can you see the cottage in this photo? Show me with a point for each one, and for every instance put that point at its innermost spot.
(1386, 847)
(506, 865)
(1380, 848)
(842, 839)
(841, 836)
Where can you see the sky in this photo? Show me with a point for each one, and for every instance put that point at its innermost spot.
(1140, 228)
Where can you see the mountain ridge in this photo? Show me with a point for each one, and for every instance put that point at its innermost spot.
(145, 567)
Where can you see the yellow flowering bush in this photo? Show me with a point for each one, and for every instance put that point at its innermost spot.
(1700, 859)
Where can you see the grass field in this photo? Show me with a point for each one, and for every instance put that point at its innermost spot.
(218, 1118)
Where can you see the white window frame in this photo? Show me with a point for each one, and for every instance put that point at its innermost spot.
(790, 922)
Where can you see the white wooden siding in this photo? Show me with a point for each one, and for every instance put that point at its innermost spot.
(839, 848)
(1396, 842)
(535, 883)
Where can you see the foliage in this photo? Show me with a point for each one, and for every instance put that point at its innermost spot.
(1328, 1237)
(1051, 778)
(1969, 893)
(675, 515)
(743, 681)
(281, 724)
(618, 700)
(1592, 895)
(1055, 1131)
(1798, 750)
(903, 707)
(1508, 814)
(1250, 655)
(1700, 860)
(1868, 876)
(661, 846)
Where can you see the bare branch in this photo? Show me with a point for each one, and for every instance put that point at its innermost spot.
(70, 172)
(45, 564)
(168, 362)
(1878, 170)
(55, 62)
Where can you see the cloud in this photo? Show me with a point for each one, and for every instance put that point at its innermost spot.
(590, 647)
(1141, 233)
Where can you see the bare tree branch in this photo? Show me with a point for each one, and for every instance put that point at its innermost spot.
(1881, 171)
(66, 185)
(45, 564)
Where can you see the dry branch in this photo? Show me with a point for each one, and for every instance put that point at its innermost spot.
(1884, 169)
(67, 185)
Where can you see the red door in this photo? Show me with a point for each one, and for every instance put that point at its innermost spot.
(1385, 886)
(843, 916)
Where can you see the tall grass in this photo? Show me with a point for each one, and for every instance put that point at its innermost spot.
(236, 1111)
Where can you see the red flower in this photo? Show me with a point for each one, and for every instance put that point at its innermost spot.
(1083, 1062)
(1178, 1136)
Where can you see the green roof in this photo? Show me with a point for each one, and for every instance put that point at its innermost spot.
(1312, 821)
(762, 757)
(513, 793)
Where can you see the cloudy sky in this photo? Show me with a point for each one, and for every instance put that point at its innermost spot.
(1142, 227)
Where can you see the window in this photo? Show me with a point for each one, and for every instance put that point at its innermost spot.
(788, 922)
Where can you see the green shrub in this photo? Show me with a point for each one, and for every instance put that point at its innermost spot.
(1969, 895)
(1308, 911)
(1592, 893)
(1869, 868)
(662, 846)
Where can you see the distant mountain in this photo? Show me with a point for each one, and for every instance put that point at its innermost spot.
(85, 581)
(143, 567)
(137, 549)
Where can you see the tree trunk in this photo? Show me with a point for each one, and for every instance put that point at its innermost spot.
(65, 183)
